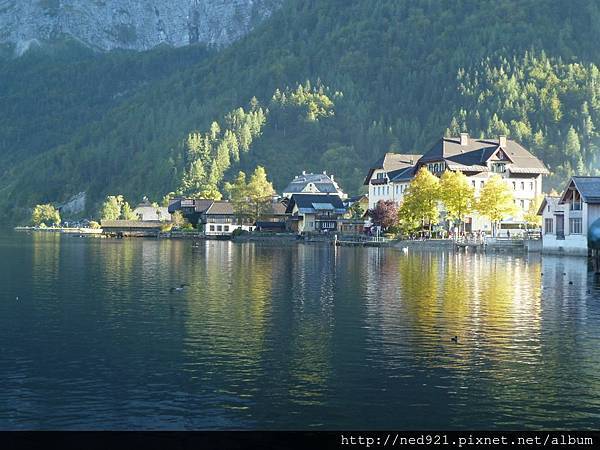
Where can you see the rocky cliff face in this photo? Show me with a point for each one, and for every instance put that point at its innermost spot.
(129, 24)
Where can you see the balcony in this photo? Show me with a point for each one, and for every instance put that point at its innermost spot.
(379, 181)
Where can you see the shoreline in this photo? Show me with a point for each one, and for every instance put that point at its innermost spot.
(492, 246)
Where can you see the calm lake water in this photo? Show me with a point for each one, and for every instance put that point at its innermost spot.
(291, 337)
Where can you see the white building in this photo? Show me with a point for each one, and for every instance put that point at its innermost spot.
(146, 211)
(478, 159)
(311, 183)
(568, 219)
(390, 177)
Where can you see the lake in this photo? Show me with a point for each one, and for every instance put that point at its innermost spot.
(292, 337)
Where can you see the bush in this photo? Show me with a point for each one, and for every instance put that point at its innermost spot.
(166, 228)
(94, 225)
(239, 232)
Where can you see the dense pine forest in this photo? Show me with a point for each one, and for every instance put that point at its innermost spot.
(321, 85)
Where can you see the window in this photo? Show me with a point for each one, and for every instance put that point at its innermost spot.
(226, 227)
(380, 175)
(514, 185)
(473, 183)
(531, 185)
(548, 226)
(388, 190)
(481, 183)
(212, 228)
(575, 226)
(522, 185)
(397, 189)
(522, 202)
(499, 167)
(219, 228)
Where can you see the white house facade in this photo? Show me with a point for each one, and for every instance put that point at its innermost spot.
(568, 220)
(478, 159)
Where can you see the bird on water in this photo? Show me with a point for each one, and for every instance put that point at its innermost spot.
(178, 289)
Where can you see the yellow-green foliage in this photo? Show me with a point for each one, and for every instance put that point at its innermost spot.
(420, 203)
(253, 198)
(457, 194)
(496, 200)
(45, 214)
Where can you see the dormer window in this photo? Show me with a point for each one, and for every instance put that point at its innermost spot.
(436, 167)
(380, 175)
(498, 167)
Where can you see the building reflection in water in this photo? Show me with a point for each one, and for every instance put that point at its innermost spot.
(298, 336)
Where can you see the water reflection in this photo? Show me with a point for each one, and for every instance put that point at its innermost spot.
(293, 337)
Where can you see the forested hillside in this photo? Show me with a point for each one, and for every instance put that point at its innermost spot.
(398, 74)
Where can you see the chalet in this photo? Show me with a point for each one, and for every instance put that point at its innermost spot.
(214, 217)
(192, 209)
(314, 212)
(479, 159)
(389, 178)
(570, 222)
(360, 200)
(310, 183)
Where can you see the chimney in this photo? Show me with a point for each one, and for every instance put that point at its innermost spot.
(502, 140)
(464, 138)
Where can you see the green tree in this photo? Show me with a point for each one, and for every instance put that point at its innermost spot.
(111, 208)
(496, 201)
(260, 192)
(457, 194)
(531, 216)
(356, 211)
(127, 213)
(166, 200)
(239, 195)
(420, 203)
(572, 145)
(177, 219)
(253, 198)
(45, 214)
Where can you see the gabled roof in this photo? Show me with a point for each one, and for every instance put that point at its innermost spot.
(392, 163)
(405, 174)
(356, 198)
(200, 205)
(312, 202)
(551, 200)
(588, 188)
(151, 210)
(220, 207)
(476, 152)
(322, 182)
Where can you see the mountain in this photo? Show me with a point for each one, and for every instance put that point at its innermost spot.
(398, 74)
(129, 24)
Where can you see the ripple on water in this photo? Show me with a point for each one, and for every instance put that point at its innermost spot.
(292, 337)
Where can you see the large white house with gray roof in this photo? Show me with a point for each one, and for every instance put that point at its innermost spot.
(314, 183)
(478, 159)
